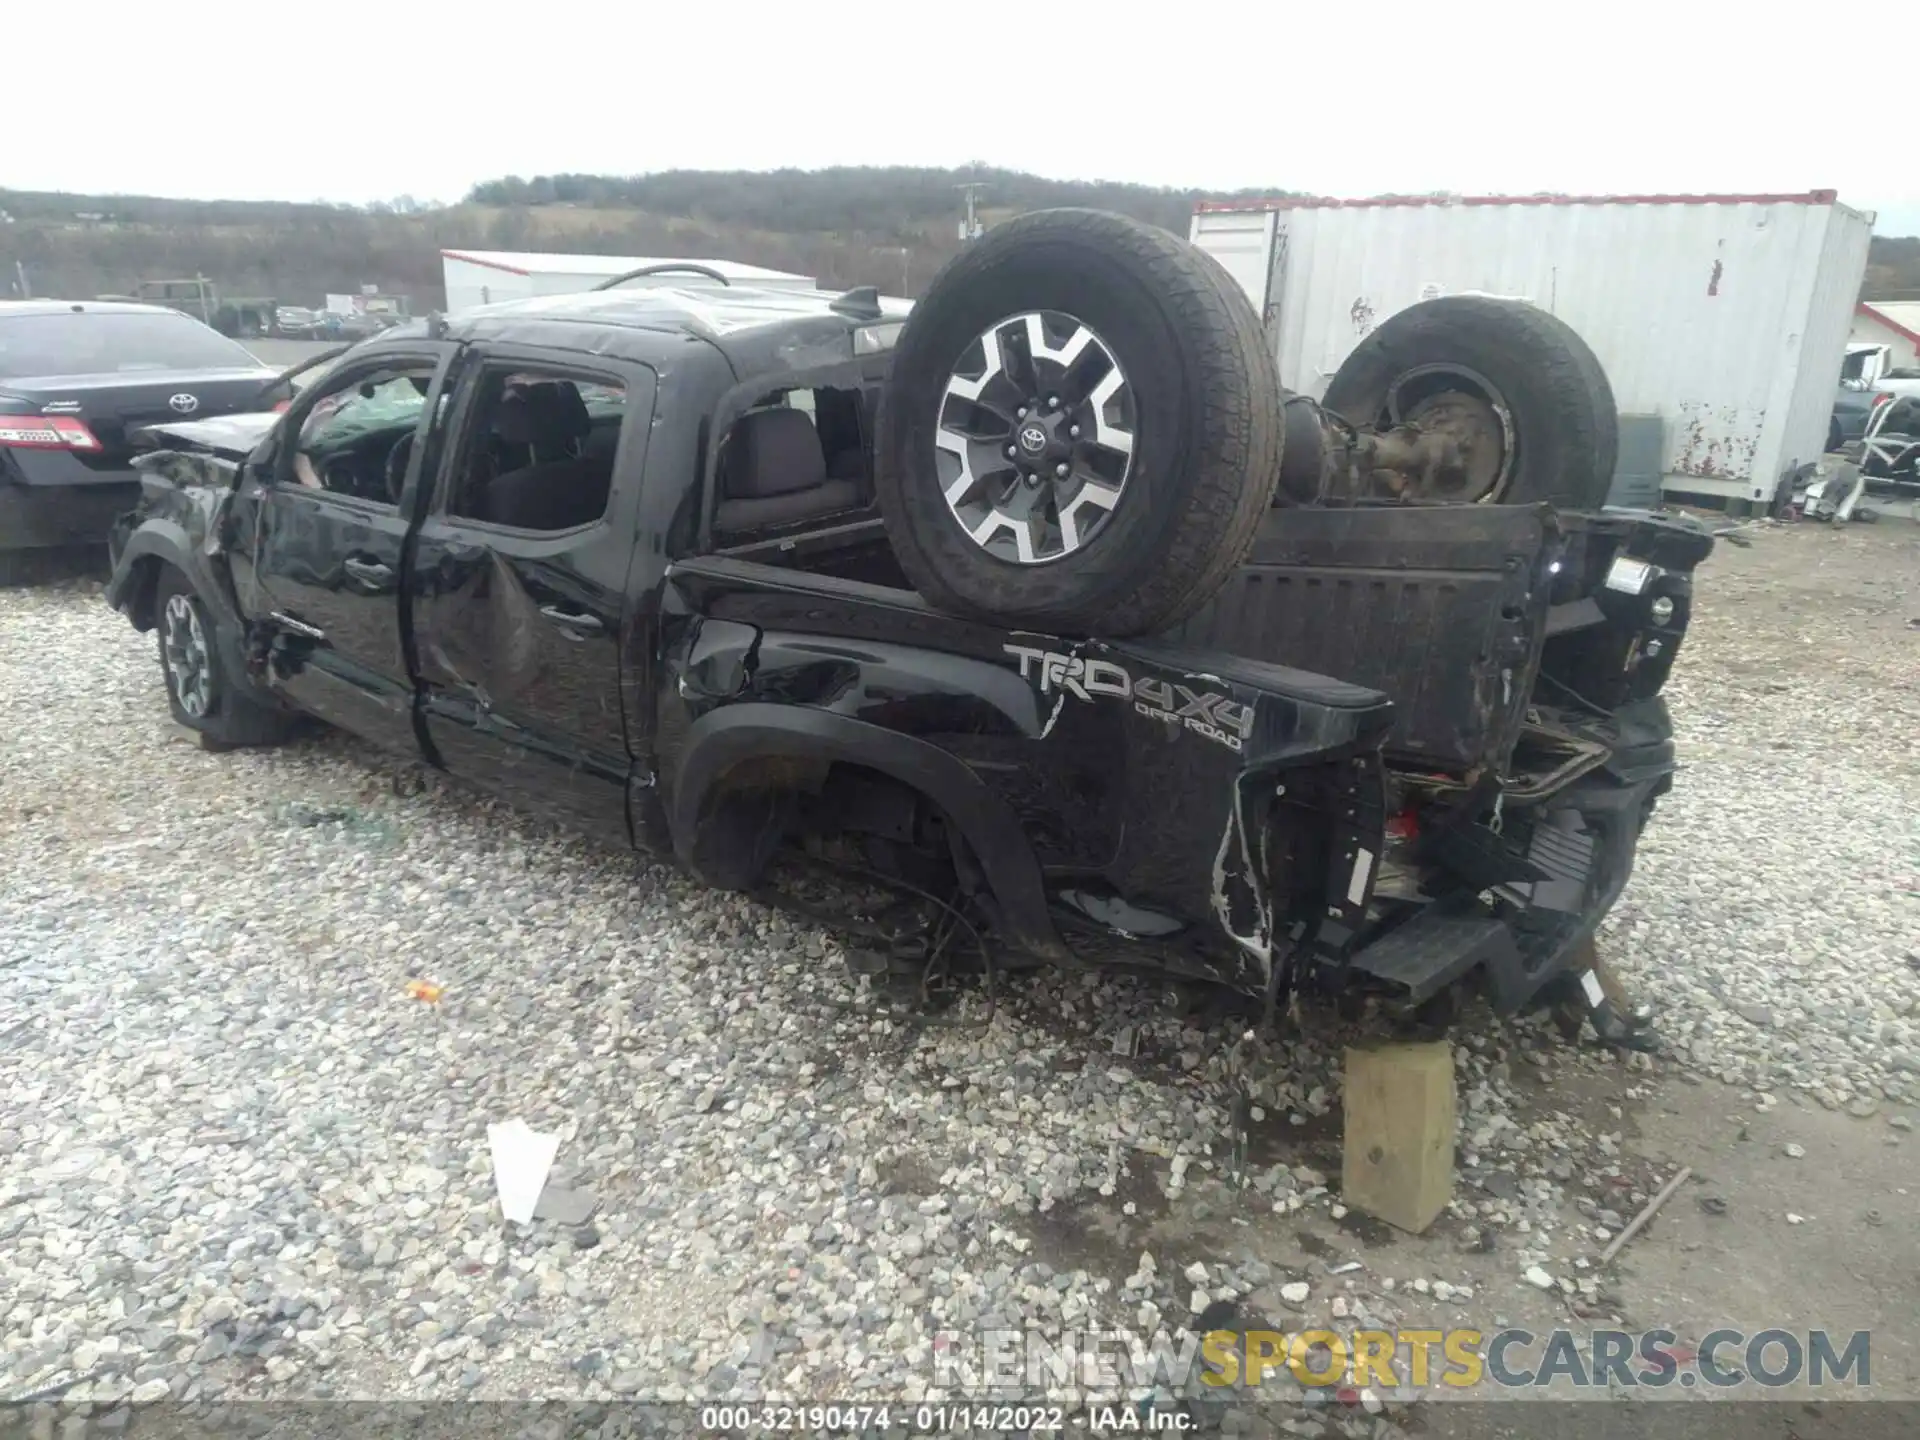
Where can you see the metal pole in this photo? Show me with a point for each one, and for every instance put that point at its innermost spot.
(970, 227)
(20, 270)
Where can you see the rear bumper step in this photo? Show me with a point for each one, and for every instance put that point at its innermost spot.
(1436, 948)
(1581, 856)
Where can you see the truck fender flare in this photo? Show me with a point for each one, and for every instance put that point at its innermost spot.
(723, 738)
(156, 542)
(160, 541)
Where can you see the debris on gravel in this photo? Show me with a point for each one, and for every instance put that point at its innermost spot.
(246, 1159)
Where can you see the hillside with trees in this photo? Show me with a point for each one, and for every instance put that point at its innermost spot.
(1893, 269)
(890, 227)
(847, 226)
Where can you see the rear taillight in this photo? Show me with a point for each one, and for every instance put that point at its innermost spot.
(283, 407)
(46, 432)
(1881, 399)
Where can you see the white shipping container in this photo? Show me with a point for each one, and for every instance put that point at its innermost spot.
(1726, 315)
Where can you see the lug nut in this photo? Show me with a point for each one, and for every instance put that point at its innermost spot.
(1074, 431)
(1033, 477)
(1021, 413)
(1011, 452)
(1062, 470)
(1053, 402)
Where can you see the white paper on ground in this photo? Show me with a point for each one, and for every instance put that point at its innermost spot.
(521, 1160)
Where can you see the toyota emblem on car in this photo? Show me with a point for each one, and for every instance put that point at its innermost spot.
(1033, 439)
(184, 403)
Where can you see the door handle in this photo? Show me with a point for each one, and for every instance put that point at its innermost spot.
(576, 620)
(367, 572)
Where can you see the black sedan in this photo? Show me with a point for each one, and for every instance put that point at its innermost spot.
(78, 379)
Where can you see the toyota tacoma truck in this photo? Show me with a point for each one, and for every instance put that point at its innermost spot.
(1041, 603)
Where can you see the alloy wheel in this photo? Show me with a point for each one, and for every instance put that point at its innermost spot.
(189, 664)
(1035, 441)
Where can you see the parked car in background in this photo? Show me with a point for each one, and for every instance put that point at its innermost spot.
(296, 322)
(1867, 383)
(77, 378)
(349, 325)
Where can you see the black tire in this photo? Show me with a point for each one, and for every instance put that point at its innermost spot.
(1206, 414)
(201, 694)
(1565, 428)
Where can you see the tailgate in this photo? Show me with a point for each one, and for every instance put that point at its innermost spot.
(1443, 608)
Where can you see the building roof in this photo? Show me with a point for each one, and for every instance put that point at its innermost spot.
(536, 262)
(1900, 315)
(1328, 202)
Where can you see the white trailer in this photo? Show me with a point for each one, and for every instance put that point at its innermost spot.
(486, 277)
(1724, 316)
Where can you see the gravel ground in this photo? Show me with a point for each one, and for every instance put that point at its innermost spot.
(1777, 916)
(241, 1160)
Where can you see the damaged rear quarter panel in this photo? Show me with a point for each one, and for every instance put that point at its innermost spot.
(1190, 748)
(1145, 769)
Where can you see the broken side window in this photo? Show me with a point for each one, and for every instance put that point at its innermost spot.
(539, 451)
(357, 438)
(797, 456)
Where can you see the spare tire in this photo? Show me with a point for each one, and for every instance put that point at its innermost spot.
(1080, 428)
(1519, 389)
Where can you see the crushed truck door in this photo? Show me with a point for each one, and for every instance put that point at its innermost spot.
(518, 580)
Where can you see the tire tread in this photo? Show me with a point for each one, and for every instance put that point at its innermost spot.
(1220, 502)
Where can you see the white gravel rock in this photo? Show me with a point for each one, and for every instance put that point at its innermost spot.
(1770, 918)
(243, 1161)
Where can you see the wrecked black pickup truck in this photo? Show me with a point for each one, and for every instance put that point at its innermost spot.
(1007, 603)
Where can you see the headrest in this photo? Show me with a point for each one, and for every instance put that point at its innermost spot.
(513, 418)
(772, 452)
(559, 412)
(549, 416)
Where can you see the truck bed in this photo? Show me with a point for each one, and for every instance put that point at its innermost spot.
(1459, 613)
(1443, 608)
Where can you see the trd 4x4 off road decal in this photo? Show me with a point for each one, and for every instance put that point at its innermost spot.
(1203, 712)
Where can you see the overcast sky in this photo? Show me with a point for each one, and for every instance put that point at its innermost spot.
(350, 101)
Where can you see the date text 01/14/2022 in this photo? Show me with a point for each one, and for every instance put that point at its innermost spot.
(935, 1419)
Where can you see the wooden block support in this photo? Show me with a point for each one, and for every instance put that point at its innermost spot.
(1398, 1163)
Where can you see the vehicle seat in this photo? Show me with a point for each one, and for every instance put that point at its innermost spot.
(773, 472)
(848, 465)
(561, 487)
(838, 416)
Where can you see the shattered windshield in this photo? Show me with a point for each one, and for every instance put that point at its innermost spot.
(337, 421)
